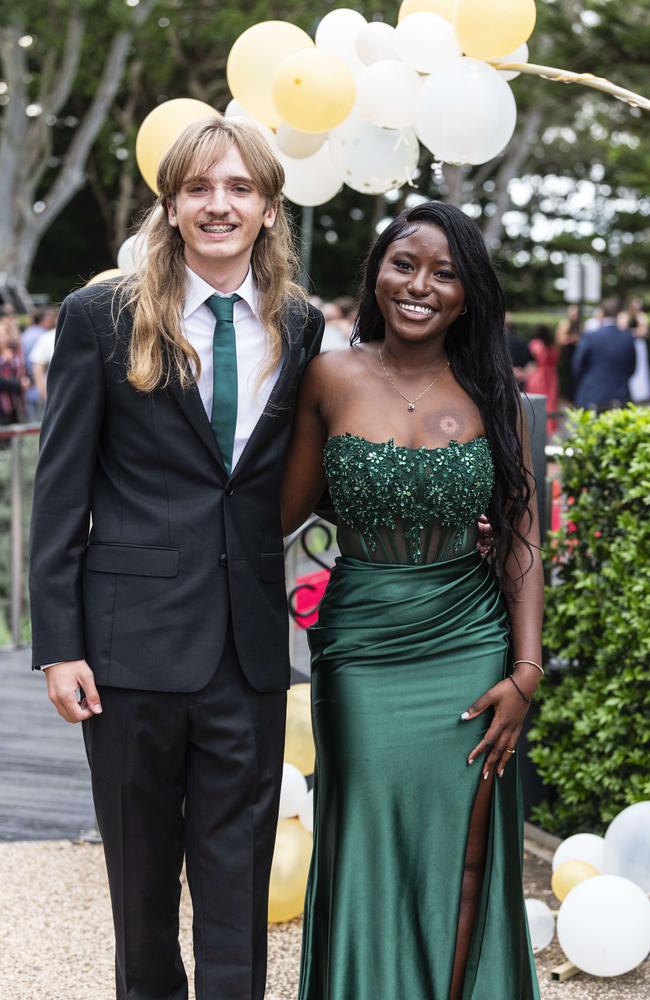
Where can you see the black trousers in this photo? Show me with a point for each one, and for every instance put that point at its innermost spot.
(194, 776)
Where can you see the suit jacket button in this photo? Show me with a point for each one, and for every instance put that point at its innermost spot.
(229, 491)
(223, 560)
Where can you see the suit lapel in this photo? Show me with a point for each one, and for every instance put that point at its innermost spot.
(190, 403)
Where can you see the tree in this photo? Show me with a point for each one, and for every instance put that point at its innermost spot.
(40, 71)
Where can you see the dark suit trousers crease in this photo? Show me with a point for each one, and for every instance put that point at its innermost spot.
(195, 775)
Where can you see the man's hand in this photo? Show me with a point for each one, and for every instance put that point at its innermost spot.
(485, 536)
(63, 683)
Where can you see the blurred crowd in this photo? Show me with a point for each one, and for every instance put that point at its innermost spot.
(599, 363)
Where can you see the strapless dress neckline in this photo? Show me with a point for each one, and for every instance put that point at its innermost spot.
(404, 447)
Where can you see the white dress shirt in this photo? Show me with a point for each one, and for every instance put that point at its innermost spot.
(251, 344)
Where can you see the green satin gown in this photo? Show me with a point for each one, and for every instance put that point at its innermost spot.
(411, 630)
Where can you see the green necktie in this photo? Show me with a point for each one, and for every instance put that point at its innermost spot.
(224, 375)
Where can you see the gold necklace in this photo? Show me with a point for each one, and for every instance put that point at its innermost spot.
(412, 402)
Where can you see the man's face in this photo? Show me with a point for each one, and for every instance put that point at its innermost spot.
(219, 215)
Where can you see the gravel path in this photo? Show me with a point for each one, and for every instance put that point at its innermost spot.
(56, 932)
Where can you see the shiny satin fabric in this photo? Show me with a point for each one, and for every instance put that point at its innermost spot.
(399, 651)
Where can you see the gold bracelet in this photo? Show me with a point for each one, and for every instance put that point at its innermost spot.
(532, 663)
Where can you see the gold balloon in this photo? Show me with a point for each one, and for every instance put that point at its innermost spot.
(445, 8)
(568, 875)
(299, 747)
(487, 29)
(253, 60)
(112, 272)
(313, 90)
(160, 130)
(289, 871)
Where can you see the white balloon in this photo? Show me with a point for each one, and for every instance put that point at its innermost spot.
(376, 41)
(541, 923)
(520, 55)
(387, 93)
(581, 847)
(426, 41)
(604, 925)
(312, 180)
(292, 792)
(296, 144)
(371, 159)
(132, 255)
(627, 845)
(466, 112)
(337, 33)
(306, 814)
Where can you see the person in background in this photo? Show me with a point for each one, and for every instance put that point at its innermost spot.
(523, 362)
(44, 322)
(39, 359)
(604, 362)
(634, 319)
(567, 335)
(13, 380)
(544, 378)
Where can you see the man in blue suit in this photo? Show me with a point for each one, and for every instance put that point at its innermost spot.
(604, 363)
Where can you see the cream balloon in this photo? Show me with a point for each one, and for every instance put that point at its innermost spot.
(372, 159)
(581, 847)
(298, 145)
(387, 93)
(313, 90)
(520, 55)
(477, 117)
(306, 814)
(337, 33)
(486, 28)
(570, 874)
(112, 272)
(299, 747)
(292, 791)
(253, 60)
(235, 110)
(376, 41)
(289, 871)
(445, 8)
(627, 845)
(604, 926)
(541, 923)
(132, 255)
(426, 42)
(313, 180)
(160, 130)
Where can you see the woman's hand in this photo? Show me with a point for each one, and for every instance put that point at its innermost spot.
(501, 738)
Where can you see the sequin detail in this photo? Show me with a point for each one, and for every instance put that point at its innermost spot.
(378, 486)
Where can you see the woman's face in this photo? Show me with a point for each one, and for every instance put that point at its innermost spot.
(418, 291)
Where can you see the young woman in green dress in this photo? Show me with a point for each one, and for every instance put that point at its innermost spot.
(425, 656)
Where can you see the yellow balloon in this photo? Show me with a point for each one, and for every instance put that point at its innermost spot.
(313, 90)
(568, 875)
(299, 747)
(445, 8)
(487, 29)
(112, 272)
(253, 60)
(160, 130)
(289, 871)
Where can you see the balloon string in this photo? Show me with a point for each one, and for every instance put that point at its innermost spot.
(586, 79)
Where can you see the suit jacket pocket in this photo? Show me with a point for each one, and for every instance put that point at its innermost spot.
(272, 567)
(132, 560)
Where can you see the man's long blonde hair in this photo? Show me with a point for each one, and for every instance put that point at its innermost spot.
(155, 293)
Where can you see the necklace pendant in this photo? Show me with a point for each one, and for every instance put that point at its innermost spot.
(411, 407)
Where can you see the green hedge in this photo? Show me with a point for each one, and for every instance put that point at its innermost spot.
(591, 737)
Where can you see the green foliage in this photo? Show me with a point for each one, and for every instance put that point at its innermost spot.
(591, 738)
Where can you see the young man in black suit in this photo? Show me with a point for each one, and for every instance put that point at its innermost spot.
(157, 570)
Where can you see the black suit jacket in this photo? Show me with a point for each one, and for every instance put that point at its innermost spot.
(176, 546)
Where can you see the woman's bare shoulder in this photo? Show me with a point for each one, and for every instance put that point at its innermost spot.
(335, 367)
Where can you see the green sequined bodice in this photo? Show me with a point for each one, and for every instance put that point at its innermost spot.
(407, 505)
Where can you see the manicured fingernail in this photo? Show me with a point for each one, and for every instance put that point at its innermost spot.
(486, 775)
(465, 716)
(96, 709)
(500, 773)
(471, 760)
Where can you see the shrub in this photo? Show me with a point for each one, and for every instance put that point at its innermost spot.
(591, 737)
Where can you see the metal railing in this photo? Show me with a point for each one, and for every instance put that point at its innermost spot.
(14, 435)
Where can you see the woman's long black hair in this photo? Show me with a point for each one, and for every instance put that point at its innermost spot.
(477, 349)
